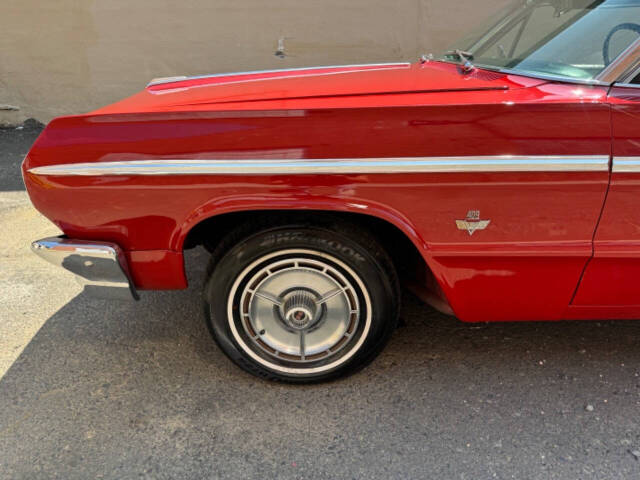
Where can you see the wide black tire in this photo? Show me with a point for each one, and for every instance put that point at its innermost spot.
(356, 259)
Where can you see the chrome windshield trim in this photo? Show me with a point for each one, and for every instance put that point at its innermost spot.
(502, 163)
(626, 165)
(626, 79)
(620, 67)
(164, 80)
(548, 76)
(540, 76)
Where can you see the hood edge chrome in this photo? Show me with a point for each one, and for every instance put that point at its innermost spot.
(181, 78)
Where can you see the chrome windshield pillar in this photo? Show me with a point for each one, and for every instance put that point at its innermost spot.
(100, 267)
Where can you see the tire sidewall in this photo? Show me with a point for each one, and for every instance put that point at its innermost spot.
(371, 270)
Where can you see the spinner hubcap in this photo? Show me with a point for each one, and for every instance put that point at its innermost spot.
(299, 313)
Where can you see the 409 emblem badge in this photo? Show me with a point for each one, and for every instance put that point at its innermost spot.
(472, 223)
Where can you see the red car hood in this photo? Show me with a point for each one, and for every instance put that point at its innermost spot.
(220, 92)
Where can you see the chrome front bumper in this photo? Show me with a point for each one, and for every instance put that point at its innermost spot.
(100, 267)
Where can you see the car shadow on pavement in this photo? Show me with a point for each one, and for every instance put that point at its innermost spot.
(116, 390)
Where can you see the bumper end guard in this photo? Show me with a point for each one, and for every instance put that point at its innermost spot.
(100, 267)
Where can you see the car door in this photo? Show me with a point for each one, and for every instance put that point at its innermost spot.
(611, 279)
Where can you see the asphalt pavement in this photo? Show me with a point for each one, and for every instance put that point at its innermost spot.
(14, 145)
(118, 390)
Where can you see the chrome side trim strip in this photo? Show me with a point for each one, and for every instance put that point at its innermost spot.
(629, 85)
(504, 163)
(182, 78)
(100, 267)
(626, 165)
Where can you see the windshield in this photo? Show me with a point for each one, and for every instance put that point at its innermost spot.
(569, 38)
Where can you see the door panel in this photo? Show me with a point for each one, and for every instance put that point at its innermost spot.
(612, 277)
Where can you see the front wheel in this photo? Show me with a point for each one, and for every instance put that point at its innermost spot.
(302, 303)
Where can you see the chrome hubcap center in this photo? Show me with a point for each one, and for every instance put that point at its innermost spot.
(299, 309)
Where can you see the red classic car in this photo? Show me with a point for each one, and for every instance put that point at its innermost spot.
(499, 180)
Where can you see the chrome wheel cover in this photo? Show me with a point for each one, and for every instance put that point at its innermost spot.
(299, 311)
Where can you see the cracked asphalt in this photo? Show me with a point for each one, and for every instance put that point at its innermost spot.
(97, 389)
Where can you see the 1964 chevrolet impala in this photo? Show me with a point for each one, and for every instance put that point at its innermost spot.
(499, 180)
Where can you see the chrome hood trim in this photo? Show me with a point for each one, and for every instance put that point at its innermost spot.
(181, 78)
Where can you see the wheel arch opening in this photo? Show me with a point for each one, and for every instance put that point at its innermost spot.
(413, 271)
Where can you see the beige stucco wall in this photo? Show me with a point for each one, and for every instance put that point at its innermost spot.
(71, 56)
